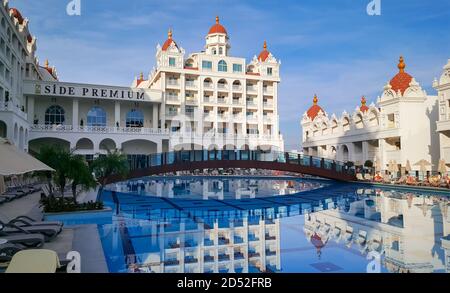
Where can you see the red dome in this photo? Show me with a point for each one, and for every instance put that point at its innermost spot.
(17, 14)
(315, 109)
(363, 107)
(264, 53)
(217, 28)
(168, 42)
(401, 81)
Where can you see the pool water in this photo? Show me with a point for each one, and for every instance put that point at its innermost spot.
(223, 224)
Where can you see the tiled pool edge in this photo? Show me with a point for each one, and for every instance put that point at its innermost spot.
(87, 242)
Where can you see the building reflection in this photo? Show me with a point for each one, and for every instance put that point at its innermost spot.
(411, 232)
(194, 245)
(210, 188)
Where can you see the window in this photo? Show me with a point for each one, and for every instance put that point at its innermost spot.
(54, 115)
(222, 66)
(237, 67)
(214, 51)
(269, 70)
(220, 51)
(96, 117)
(207, 65)
(135, 118)
(171, 61)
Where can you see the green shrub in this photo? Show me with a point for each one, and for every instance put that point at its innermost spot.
(61, 204)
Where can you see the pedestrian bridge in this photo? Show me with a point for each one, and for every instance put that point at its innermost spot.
(161, 163)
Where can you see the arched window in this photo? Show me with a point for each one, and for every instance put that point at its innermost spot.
(222, 66)
(96, 117)
(135, 118)
(214, 51)
(220, 51)
(54, 115)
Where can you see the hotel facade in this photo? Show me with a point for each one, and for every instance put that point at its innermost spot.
(405, 124)
(204, 100)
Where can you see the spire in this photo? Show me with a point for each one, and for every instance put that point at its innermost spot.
(265, 45)
(363, 101)
(46, 63)
(315, 99)
(169, 33)
(141, 76)
(401, 64)
(217, 19)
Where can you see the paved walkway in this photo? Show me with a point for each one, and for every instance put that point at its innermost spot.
(83, 238)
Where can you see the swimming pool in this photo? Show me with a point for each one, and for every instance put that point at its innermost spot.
(229, 224)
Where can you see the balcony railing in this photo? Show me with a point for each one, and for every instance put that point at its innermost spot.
(251, 88)
(171, 114)
(221, 100)
(208, 99)
(268, 105)
(11, 108)
(252, 117)
(267, 91)
(222, 116)
(237, 88)
(173, 98)
(208, 85)
(251, 103)
(222, 86)
(191, 100)
(268, 119)
(96, 129)
(173, 82)
(191, 84)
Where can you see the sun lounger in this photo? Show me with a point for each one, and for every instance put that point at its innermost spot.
(411, 181)
(25, 220)
(368, 177)
(34, 261)
(359, 177)
(49, 232)
(24, 239)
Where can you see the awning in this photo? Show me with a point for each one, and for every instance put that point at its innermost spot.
(15, 162)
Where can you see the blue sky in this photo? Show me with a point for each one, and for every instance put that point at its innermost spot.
(329, 47)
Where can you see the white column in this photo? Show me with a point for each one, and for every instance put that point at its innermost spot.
(259, 101)
(30, 110)
(365, 152)
(75, 121)
(162, 108)
(117, 114)
(382, 153)
(244, 112)
(276, 119)
(200, 105)
(183, 93)
(155, 116)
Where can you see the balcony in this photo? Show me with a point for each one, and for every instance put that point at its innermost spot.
(222, 100)
(172, 83)
(96, 129)
(237, 102)
(268, 105)
(252, 118)
(222, 86)
(237, 116)
(208, 116)
(222, 116)
(172, 98)
(191, 84)
(267, 91)
(208, 85)
(268, 119)
(170, 114)
(237, 88)
(251, 103)
(208, 99)
(14, 109)
(191, 101)
(251, 88)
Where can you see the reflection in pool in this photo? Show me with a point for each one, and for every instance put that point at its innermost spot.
(328, 229)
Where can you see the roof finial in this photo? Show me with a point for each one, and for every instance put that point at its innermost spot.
(141, 76)
(401, 64)
(169, 33)
(315, 99)
(265, 45)
(46, 63)
(363, 101)
(217, 19)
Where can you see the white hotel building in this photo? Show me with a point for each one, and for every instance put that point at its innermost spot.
(405, 124)
(207, 100)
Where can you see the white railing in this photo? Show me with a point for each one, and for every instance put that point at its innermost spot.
(267, 91)
(208, 99)
(268, 105)
(172, 98)
(11, 108)
(171, 114)
(268, 119)
(251, 88)
(251, 103)
(222, 116)
(192, 84)
(237, 102)
(173, 82)
(190, 100)
(221, 100)
(96, 129)
(237, 116)
(208, 85)
(222, 86)
(237, 88)
(252, 117)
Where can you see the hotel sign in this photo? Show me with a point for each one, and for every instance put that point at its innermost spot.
(90, 91)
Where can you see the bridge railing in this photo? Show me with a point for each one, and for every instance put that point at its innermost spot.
(176, 157)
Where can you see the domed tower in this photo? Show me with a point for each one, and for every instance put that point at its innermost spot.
(169, 54)
(401, 81)
(217, 41)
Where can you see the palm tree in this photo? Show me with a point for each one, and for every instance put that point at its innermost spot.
(114, 163)
(80, 175)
